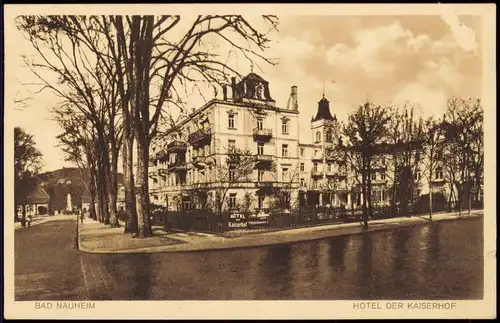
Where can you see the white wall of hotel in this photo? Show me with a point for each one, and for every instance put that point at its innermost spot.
(245, 121)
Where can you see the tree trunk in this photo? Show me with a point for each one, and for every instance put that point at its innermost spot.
(128, 166)
(143, 223)
(369, 189)
(363, 186)
(113, 198)
(430, 201)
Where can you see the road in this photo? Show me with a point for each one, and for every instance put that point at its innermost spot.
(441, 260)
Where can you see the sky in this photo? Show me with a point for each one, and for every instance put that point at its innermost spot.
(421, 60)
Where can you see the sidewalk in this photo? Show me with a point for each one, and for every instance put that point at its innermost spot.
(44, 218)
(95, 237)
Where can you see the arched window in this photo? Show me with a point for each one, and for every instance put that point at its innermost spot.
(329, 136)
(318, 136)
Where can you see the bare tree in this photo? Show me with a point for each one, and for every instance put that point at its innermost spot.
(365, 131)
(82, 84)
(230, 172)
(405, 138)
(432, 154)
(78, 142)
(464, 153)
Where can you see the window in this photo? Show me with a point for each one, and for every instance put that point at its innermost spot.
(232, 200)
(260, 176)
(231, 143)
(382, 176)
(284, 173)
(383, 195)
(261, 201)
(230, 121)
(329, 136)
(186, 205)
(318, 136)
(260, 124)
(260, 148)
(302, 182)
(155, 180)
(232, 173)
(374, 176)
(302, 167)
(329, 168)
(315, 167)
(302, 152)
(439, 173)
(284, 126)
(284, 150)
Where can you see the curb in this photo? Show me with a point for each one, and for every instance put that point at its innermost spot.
(327, 233)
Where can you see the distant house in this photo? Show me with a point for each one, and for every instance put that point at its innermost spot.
(37, 202)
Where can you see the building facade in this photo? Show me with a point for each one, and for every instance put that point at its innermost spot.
(248, 118)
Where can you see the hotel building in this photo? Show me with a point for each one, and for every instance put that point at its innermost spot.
(247, 117)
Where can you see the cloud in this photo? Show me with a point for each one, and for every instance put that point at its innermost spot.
(463, 35)
(432, 100)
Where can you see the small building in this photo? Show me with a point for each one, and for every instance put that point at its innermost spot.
(37, 202)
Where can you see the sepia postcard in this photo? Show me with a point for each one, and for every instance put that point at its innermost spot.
(267, 161)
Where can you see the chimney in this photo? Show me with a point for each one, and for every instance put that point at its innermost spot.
(294, 97)
(224, 92)
(233, 87)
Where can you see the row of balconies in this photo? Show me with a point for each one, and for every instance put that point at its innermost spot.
(202, 136)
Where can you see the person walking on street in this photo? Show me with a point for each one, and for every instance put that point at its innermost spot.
(28, 220)
(81, 217)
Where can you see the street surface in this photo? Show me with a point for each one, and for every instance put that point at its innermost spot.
(441, 260)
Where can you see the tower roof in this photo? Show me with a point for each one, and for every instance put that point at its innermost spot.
(323, 110)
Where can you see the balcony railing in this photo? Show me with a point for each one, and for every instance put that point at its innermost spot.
(161, 155)
(200, 161)
(262, 134)
(176, 145)
(263, 158)
(337, 173)
(317, 172)
(317, 157)
(199, 136)
(177, 165)
(264, 183)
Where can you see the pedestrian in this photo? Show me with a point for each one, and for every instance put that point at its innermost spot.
(28, 220)
(81, 217)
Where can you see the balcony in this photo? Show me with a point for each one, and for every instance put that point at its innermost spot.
(262, 134)
(263, 160)
(177, 166)
(200, 161)
(161, 155)
(317, 157)
(316, 173)
(176, 145)
(153, 172)
(200, 137)
(336, 173)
